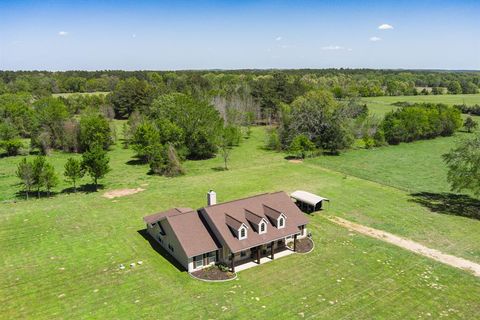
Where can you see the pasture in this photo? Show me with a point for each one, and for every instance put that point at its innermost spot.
(382, 105)
(60, 255)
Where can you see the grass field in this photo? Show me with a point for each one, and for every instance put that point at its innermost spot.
(66, 94)
(60, 256)
(382, 105)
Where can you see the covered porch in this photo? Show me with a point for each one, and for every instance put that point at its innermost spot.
(261, 254)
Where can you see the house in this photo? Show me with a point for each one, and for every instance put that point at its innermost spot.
(232, 233)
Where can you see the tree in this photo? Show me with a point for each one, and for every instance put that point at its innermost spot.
(95, 130)
(454, 87)
(173, 166)
(225, 142)
(321, 119)
(129, 95)
(25, 173)
(301, 146)
(463, 164)
(51, 113)
(470, 124)
(38, 168)
(144, 141)
(95, 163)
(73, 171)
(199, 122)
(49, 177)
(9, 138)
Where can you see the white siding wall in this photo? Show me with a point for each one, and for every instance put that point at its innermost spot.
(169, 238)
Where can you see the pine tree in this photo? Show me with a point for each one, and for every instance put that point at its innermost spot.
(25, 173)
(73, 172)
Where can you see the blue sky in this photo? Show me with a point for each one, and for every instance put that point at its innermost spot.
(169, 35)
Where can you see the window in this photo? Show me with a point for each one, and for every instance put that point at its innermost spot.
(170, 247)
(211, 257)
(243, 233)
(281, 222)
(243, 253)
(262, 227)
(198, 261)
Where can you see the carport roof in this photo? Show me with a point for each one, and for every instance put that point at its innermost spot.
(307, 197)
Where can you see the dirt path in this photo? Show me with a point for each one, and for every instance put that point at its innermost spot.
(121, 193)
(411, 246)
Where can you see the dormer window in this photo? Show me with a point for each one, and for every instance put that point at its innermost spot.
(242, 233)
(281, 222)
(263, 227)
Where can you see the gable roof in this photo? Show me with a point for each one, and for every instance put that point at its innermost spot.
(272, 213)
(253, 217)
(192, 233)
(232, 222)
(160, 215)
(236, 209)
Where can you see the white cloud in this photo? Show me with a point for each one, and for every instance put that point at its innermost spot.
(375, 39)
(333, 48)
(385, 26)
(134, 35)
(279, 38)
(62, 33)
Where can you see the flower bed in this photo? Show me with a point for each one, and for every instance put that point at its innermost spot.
(304, 245)
(213, 274)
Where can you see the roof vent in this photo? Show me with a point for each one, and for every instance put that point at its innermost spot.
(211, 198)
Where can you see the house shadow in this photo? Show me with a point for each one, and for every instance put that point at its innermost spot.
(157, 247)
(449, 203)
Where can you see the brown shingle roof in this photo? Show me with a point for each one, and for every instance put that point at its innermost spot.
(271, 212)
(236, 210)
(253, 217)
(160, 215)
(232, 222)
(192, 233)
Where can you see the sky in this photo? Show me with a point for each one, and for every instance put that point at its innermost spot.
(175, 35)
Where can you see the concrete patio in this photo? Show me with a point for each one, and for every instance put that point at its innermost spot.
(263, 260)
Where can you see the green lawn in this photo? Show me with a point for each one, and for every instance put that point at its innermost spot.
(60, 256)
(382, 105)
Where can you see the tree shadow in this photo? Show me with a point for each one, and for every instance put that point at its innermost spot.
(449, 203)
(84, 188)
(136, 162)
(157, 247)
(219, 169)
(33, 194)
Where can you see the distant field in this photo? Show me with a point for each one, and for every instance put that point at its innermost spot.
(382, 105)
(66, 94)
(60, 256)
(413, 167)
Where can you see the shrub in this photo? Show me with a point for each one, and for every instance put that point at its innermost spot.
(420, 121)
(273, 140)
(12, 147)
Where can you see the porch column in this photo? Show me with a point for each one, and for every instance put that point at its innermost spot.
(295, 243)
(258, 254)
(232, 257)
(272, 251)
